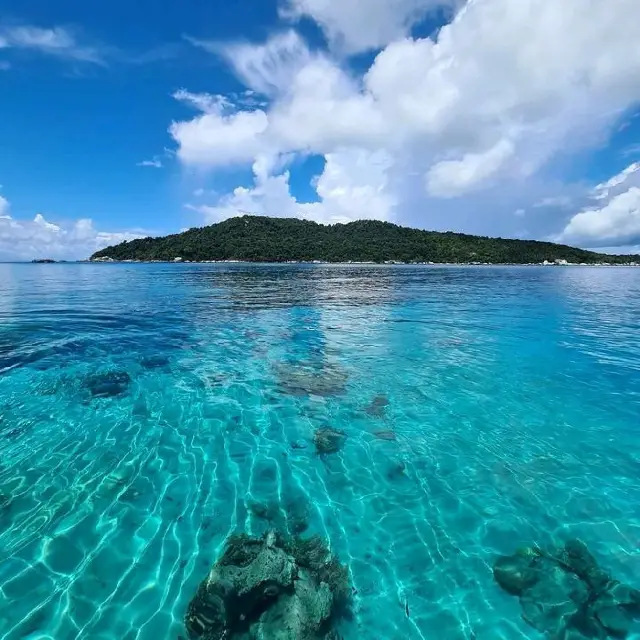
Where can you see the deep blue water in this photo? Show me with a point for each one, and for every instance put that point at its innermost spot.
(513, 395)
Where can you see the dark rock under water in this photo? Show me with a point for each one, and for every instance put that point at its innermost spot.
(328, 440)
(378, 406)
(307, 379)
(385, 434)
(566, 595)
(157, 361)
(108, 384)
(270, 588)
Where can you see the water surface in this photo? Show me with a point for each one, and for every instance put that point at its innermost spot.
(485, 409)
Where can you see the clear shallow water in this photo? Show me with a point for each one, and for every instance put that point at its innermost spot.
(513, 394)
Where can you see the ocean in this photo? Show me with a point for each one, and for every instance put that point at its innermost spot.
(147, 412)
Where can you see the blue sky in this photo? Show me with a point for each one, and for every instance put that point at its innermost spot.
(125, 118)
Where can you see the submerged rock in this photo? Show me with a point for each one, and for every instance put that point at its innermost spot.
(579, 559)
(378, 406)
(565, 594)
(515, 573)
(396, 469)
(616, 620)
(269, 588)
(298, 615)
(555, 596)
(111, 383)
(328, 440)
(385, 435)
(298, 380)
(154, 362)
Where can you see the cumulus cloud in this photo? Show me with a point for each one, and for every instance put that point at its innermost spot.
(216, 137)
(618, 222)
(613, 218)
(56, 41)
(482, 106)
(39, 238)
(603, 190)
(353, 26)
(353, 185)
(450, 178)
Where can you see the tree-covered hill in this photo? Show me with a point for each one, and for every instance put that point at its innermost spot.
(262, 239)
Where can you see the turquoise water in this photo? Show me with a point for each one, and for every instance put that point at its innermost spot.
(485, 409)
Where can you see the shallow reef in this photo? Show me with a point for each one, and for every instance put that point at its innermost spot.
(565, 595)
(271, 588)
(328, 440)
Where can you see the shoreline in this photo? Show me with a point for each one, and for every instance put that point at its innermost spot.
(388, 263)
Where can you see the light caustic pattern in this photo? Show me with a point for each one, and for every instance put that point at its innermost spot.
(149, 411)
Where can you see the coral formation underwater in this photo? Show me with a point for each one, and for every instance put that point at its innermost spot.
(272, 588)
(328, 440)
(566, 595)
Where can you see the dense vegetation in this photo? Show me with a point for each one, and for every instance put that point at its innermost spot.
(261, 239)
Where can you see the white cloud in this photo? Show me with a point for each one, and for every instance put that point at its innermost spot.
(158, 160)
(613, 217)
(215, 138)
(39, 221)
(56, 41)
(451, 178)
(353, 185)
(630, 249)
(356, 25)
(156, 163)
(269, 68)
(616, 222)
(38, 238)
(482, 106)
(205, 102)
(602, 191)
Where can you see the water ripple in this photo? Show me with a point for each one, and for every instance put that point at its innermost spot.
(149, 411)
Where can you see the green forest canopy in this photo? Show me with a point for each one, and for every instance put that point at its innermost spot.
(262, 239)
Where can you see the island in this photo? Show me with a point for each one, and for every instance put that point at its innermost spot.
(43, 261)
(263, 239)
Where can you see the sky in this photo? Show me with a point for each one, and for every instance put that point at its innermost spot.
(493, 117)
